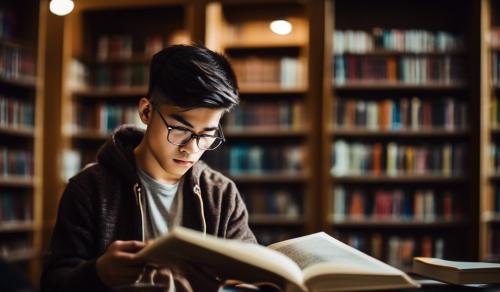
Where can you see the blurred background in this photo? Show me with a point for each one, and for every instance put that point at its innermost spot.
(376, 121)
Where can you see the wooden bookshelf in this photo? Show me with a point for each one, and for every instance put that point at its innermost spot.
(490, 179)
(346, 17)
(20, 123)
(241, 31)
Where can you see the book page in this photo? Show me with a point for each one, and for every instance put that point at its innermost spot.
(459, 265)
(321, 248)
(232, 258)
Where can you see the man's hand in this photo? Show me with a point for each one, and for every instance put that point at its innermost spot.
(118, 265)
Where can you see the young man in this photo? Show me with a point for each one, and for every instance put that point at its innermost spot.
(146, 182)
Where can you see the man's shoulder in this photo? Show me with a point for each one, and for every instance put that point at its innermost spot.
(210, 176)
(92, 172)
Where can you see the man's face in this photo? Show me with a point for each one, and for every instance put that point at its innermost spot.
(176, 160)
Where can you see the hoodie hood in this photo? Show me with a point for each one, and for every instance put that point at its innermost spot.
(117, 154)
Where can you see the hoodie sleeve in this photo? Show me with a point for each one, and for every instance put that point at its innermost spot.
(71, 262)
(237, 227)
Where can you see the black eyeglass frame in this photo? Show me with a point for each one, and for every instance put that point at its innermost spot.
(218, 139)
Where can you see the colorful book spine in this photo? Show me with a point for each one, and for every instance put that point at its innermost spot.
(16, 163)
(401, 114)
(396, 159)
(16, 113)
(393, 205)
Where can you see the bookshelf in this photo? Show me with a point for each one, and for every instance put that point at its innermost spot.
(108, 67)
(490, 195)
(398, 115)
(269, 134)
(19, 91)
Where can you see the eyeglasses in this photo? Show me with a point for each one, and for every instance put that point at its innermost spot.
(180, 136)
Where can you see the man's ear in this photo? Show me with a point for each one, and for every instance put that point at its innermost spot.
(145, 110)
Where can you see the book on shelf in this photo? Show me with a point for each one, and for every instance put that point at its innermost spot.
(248, 159)
(456, 272)
(397, 205)
(16, 113)
(405, 114)
(284, 72)
(15, 207)
(266, 116)
(309, 263)
(278, 202)
(396, 250)
(15, 163)
(397, 159)
(353, 62)
(495, 37)
(17, 63)
(396, 40)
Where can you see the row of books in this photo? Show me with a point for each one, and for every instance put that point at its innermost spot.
(14, 247)
(407, 41)
(8, 20)
(121, 76)
(244, 159)
(496, 199)
(494, 241)
(405, 70)
(495, 68)
(103, 117)
(275, 115)
(15, 162)
(17, 63)
(16, 113)
(395, 159)
(281, 202)
(123, 46)
(15, 208)
(285, 72)
(402, 114)
(495, 37)
(397, 251)
(396, 205)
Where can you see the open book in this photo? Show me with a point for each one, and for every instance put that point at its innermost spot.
(457, 272)
(315, 262)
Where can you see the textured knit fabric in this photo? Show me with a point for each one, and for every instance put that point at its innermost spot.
(100, 205)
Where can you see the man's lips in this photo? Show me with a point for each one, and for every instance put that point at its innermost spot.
(183, 162)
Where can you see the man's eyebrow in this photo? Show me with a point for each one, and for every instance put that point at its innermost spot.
(182, 120)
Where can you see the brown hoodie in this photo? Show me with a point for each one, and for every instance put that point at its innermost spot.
(101, 205)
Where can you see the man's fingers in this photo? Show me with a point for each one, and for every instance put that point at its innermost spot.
(129, 246)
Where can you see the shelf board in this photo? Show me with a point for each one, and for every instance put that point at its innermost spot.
(24, 83)
(401, 53)
(111, 92)
(390, 223)
(17, 181)
(398, 179)
(362, 132)
(21, 256)
(257, 219)
(270, 178)
(240, 46)
(17, 43)
(271, 89)
(96, 136)
(18, 132)
(265, 133)
(16, 226)
(396, 86)
(136, 59)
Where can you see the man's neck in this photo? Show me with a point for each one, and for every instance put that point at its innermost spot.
(147, 163)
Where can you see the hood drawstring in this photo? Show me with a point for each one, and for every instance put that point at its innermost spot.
(138, 200)
(197, 191)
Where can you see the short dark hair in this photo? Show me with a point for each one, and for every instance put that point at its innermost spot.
(192, 77)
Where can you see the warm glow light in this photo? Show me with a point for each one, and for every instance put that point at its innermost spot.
(61, 7)
(281, 27)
